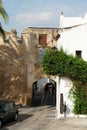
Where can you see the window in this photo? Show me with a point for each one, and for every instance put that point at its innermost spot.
(6, 107)
(43, 40)
(1, 107)
(40, 54)
(78, 53)
(43, 45)
(11, 105)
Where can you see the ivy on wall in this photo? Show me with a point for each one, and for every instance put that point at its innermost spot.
(63, 64)
(79, 92)
(60, 63)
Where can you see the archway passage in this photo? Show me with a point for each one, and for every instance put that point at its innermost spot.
(44, 92)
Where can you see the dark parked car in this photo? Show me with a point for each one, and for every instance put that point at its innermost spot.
(8, 111)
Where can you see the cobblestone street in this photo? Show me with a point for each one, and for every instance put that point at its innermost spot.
(44, 118)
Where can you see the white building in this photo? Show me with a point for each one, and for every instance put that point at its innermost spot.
(73, 39)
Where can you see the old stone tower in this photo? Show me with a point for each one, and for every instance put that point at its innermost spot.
(19, 61)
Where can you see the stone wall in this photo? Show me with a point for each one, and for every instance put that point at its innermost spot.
(13, 78)
(19, 66)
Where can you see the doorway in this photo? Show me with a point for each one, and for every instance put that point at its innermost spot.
(44, 92)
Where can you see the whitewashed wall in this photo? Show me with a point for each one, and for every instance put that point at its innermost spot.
(72, 38)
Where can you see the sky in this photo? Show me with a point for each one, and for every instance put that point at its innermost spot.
(40, 13)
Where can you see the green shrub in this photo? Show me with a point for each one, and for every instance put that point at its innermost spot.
(60, 63)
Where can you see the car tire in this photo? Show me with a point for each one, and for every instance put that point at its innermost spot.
(0, 123)
(16, 117)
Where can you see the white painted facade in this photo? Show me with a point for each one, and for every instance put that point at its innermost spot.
(73, 37)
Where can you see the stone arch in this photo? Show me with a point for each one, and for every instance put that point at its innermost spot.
(44, 92)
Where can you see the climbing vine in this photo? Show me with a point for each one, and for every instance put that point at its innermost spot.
(79, 92)
(63, 64)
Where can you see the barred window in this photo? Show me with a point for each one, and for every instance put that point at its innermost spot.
(79, 53)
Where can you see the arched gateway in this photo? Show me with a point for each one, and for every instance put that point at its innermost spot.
(44, 92)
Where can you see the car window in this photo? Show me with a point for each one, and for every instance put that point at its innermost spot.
(6, 107)
(11, 105)
(1, 107)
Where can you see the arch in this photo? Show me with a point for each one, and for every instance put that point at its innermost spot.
(44, 92)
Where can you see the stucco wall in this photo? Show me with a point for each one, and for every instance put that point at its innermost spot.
(72, 39)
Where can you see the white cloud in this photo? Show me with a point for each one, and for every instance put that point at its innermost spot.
(23, 17)
(44, 16)
(34, 17)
